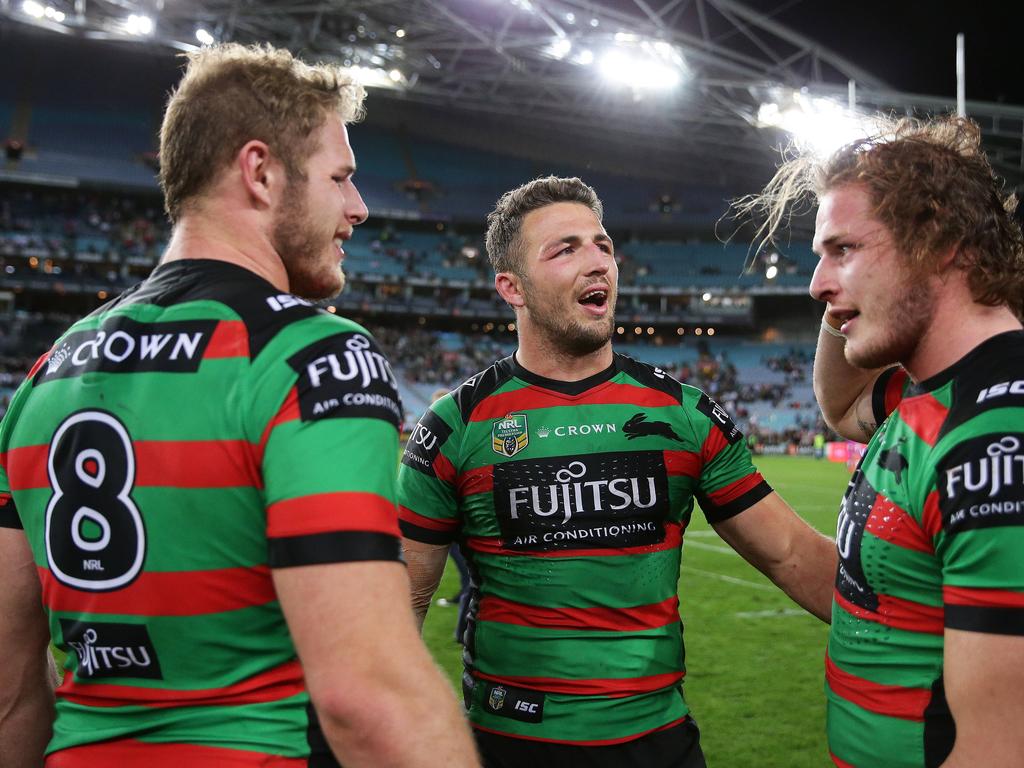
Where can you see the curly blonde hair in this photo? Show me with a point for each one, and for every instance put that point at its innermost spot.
(931, 184)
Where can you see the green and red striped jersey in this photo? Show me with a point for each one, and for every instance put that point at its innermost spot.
(570, 501)
(930, 536)
(168, 452)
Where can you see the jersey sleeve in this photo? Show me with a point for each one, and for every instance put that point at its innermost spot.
(427, 492)
(328, 463)
(729, 483)
(888, 391)
(978, 495)
(8, 512)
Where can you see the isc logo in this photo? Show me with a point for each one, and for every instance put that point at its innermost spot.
(525, 706)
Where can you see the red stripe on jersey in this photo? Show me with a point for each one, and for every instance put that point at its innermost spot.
(637, 618)
(713, 444)
(840, 763)
(493, 546)
(407, 515)
(734, 490)
(170, 593)
(39, 363)
(443, 469)
(289, 411)
(158, 463)
(155, 755)
(196, 464)
(888, 522)
(890, 700)
(682, 463)
(924, 415)
(898, 613)
(26, 467)
(230, 339)
(326, 512)
(594, 743)
(982, 598)
(931, 515)
(533, 397)
(894, 390)
(611, 687)
(273, 685)
(476, 481)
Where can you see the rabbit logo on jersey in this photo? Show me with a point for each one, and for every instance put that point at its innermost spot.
(345, 376)
(605, 500)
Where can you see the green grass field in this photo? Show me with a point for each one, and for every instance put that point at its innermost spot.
(754, 659)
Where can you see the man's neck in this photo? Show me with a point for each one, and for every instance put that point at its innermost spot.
(957, 327)
(203, 236)
(544, 359)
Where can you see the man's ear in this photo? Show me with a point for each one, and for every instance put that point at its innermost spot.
(510, 288)
(262, 174)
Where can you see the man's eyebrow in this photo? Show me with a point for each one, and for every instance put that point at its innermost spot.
(348, 169)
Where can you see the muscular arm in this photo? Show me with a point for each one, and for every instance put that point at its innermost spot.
(380, 698)
(26, 684)
(775, 540)
(842, 390)
(426, 566)
(984, 677)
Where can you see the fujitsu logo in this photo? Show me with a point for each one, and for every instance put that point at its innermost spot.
(106, 649)
(570, 494)
(358, 361)
(1002, 467)
(423, 437)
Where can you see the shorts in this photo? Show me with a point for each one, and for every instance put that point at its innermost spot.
(675, 747)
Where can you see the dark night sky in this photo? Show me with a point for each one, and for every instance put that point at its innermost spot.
(911, 45)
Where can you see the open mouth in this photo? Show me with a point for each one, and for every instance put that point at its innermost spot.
(846, 317)
(596, 298)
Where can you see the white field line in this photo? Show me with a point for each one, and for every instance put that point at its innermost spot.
(780, 614)
(730, 579)
(725, 550)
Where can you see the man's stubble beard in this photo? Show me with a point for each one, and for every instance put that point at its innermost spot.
(565, 334)
(911, 314)
(294, 239)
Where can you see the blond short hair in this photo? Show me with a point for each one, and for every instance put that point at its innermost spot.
(231, 94)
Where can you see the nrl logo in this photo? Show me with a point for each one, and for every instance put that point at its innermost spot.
(57, 358)
(497, 698)
(509, 435)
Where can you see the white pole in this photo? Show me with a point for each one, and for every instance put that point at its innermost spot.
(851, 91)
(961, 86)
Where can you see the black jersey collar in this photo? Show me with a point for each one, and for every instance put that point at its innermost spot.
(1003, 344)
(564, 387)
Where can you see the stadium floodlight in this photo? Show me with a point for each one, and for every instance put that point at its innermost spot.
(138, 24)
(33, 9)
(399, 33)
(560, 48)
(585, 57)
(772, 272)
(643, 64)
(818, 124)
(375, 77)
(204, 37)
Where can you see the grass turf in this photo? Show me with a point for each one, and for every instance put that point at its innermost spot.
(754, 659)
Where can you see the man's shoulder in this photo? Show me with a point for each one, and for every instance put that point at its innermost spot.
(651, 376)
(481, 385)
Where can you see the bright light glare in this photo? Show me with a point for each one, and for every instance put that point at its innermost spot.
(399, 33)
(33, 9)
(772, 272)
(395, 76)
(638, 72)
(586, 57)
(375, 77)
(204, 37)
(138, 24)
(706, 296)
(820, 125)
(560, 48)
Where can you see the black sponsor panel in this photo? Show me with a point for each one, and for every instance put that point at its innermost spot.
(425, 443)
(720, 418)
(854, 511)
(981, 483)
(604, 500)
(515, 703)
(346, 376)
(109, 649)
(123, 345)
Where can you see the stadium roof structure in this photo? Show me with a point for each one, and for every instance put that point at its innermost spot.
(546, 64)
